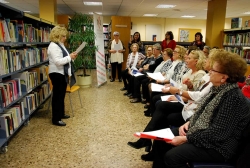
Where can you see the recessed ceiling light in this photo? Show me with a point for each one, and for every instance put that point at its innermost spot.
(93, 3)
(99, 13)
(150, 14)
(3, 1)
(246, 13)
(165, 6)
(187, 16)
(27, 11)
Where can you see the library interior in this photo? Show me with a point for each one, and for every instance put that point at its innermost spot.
(122, 83)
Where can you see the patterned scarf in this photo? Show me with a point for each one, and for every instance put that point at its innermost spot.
(204, 112)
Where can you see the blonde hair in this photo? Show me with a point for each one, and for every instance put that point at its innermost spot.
(200, 56)
(131, 47)
(56, 33)
(182, 51)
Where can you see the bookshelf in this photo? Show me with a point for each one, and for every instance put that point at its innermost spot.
(23, 57)
(106, 37)
(238, 41)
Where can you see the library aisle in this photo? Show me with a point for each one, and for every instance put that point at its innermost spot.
(96, 137)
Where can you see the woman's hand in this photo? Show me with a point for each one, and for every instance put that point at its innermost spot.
(112, 51)
(73, 55)
(173, 90)
(183, 129)
(172, 98)
(188, 83)
(120, 51)
(165, 90)
(141, 69)
(178, 140)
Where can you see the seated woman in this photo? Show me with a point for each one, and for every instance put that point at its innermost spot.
(132, 62)
(190, 80)
(198, 41)
(169, 41)
(213, 133)
(173, 113)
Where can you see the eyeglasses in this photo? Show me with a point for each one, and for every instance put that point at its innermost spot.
(212, 70)
(149, 50)
(156, 49)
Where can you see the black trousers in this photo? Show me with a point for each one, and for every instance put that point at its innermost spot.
(114, 66)
(168, 156)
(166, 114)
(137, 86)
(59, 91)
(125, 78)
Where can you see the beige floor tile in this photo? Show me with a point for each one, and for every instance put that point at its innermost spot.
(96, 137)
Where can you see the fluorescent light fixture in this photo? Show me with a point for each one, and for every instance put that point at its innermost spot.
(27, 11)
(93, 3)
(246, 13)
(150, 14)
(99, 13)
(165, 6)
(3, 1)
(187, 16)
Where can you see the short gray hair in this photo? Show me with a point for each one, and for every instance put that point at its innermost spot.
(157, 46)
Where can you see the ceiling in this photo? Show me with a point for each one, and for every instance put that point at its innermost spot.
(136, 8)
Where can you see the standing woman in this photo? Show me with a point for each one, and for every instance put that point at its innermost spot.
(59, 71)
(116, 49)
(198, 41)
(136, 39)
(169, 41)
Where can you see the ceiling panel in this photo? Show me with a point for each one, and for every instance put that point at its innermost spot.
(136, 8)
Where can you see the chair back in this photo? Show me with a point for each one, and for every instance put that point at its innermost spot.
(47, 73)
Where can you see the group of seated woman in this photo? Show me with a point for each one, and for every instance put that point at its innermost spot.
(208, 128)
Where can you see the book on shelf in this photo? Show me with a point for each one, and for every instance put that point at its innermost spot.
(9, 120)
(4, 125)
(162, 134)
(236, 23)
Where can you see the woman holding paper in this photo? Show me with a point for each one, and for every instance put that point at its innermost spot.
(59, 71)
(173, 113)
(214, 132)
(116, 49)
(132, 64)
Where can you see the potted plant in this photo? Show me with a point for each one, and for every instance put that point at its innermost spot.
(81, 28)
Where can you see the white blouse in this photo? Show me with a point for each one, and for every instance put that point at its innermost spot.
(56, 59)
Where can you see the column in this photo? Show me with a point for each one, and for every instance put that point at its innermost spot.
(48, 10)
(216, 13)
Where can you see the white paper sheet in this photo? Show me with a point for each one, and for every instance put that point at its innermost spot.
(156, 87)
(156, 76)
(117, 47)
(162, 133)
(80, 47)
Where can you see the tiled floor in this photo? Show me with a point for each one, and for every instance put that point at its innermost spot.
(95, 137)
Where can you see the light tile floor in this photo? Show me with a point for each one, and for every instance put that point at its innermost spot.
(96, 137)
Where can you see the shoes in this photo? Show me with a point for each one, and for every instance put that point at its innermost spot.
(141, 143)
(120, 80)
(59, 123)
(112, 80)
(148, 157)
(65, 117)
(146, 106)
(130, 94)
(147, 113)
(143, 101)
(122, 89)
(126, 93)
(135, 100)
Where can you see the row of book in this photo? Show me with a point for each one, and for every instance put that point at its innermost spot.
(18, 31)
(12, 117)
(239, 39)
(244, 52)
(19, 84)
(12, 60)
